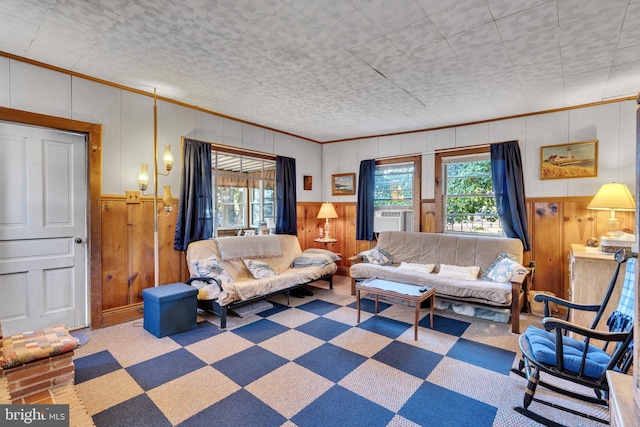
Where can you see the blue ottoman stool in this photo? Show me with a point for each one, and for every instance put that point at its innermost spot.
(170, 309)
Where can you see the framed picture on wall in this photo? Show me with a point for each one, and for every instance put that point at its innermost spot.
(573, 160)
(343, 184)
(308, 182)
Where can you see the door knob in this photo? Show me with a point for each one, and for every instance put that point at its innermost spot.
(78, 240)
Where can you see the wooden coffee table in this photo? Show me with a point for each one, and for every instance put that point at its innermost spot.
(398, 290)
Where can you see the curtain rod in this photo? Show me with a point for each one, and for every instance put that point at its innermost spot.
(447, 150)
(235, 150)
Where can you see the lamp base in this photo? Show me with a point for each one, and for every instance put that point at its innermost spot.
(613, 225)
(327, 230)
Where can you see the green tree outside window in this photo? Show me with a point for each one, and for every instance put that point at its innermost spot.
(470, 204)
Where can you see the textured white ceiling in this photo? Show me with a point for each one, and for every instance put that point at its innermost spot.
(335, 69)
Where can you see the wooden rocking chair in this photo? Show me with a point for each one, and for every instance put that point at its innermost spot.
(558, 355)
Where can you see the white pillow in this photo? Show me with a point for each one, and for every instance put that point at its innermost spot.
(418, 268)
(259, 269)
(456, 272)
(504, 270)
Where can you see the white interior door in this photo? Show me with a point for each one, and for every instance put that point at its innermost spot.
(43, 228)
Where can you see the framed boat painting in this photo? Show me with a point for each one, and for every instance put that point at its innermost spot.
(573, 160)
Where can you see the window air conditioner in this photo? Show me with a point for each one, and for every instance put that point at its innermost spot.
(393, 221)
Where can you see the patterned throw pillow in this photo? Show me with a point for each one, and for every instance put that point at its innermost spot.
(499, 258)
(418, 268)
(211, 267)
(377, 256)
(259, 269)
(457, 272)
(310, 259)
(334, 256)
(504, 270)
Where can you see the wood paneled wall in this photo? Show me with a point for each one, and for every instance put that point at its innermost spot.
(555, 224)
(127, 244)
(127, 255)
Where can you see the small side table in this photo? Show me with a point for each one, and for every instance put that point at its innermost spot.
(325, 241)
(401, 291)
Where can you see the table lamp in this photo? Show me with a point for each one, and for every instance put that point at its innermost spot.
(613, 197)
(327, 211)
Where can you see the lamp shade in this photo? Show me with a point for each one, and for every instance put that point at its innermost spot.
(327, 211)
(143, 176)
(613, 196)
(167, 158)
(167, 198)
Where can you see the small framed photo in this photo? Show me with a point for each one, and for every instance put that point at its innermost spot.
(343, 184)
(573, 160)
(308, 182)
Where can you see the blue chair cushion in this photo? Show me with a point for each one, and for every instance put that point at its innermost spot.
(543, 348)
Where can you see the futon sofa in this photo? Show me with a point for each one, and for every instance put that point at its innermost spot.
(233, 271)
(480, 276)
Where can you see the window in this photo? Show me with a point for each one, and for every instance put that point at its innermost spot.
(396, 199)
(468, 201)
(263, 203)
(231, 205)
(394, 185)
(244, 191)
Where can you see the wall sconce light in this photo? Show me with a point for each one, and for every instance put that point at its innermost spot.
(143, 183)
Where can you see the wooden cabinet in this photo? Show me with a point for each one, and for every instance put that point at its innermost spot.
(622, 409)
(590, 272)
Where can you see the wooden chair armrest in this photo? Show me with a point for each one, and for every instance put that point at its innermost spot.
(551, 323)
(563, 302)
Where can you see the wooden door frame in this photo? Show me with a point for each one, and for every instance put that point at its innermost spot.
(94, 176)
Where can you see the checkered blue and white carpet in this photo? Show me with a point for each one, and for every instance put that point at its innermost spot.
(309, 364)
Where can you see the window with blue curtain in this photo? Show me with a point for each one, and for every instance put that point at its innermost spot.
(508, 188)
(195, 208)
(286, 199)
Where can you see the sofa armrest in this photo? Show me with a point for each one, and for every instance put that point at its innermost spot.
(518, 284)
(520, 278)
(355, 259)
(205, 279)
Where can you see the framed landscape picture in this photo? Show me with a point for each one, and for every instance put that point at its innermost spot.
(343, 184)
(573, 160)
